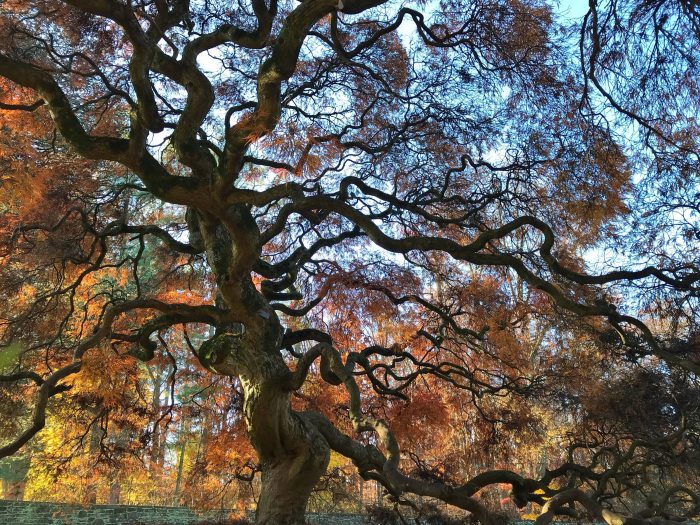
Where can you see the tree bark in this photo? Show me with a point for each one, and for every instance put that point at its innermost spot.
(292, 452)
(287, 486)
(293, 455)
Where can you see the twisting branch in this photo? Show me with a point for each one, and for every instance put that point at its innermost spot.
(51, 385)
(369, 458)
(22, 107)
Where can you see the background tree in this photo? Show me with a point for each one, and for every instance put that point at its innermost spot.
(342, 208)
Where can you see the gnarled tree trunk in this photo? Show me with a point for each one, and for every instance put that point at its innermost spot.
(287, 482)
(292, 453)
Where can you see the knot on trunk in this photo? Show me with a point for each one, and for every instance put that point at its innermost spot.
(242, 355)
(214, 353)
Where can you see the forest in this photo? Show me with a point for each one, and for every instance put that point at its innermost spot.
(290, 256)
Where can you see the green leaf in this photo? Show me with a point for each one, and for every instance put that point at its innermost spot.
(9, 356)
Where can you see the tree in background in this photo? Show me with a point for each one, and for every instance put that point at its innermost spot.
(454, 243)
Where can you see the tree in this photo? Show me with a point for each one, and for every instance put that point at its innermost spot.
(367, 197)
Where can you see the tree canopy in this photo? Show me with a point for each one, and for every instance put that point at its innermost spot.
(453, 243)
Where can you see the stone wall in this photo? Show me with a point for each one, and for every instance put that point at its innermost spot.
(39, 513)
(332, 519)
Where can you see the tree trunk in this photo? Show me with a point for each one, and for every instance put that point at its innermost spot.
(291, 471)
(286, 487)
(184, 431)
(155, 373)
(292, 452)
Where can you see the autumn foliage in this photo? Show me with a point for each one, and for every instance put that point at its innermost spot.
(280, 256)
